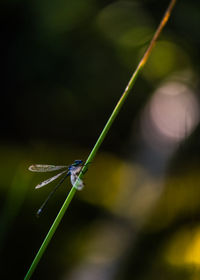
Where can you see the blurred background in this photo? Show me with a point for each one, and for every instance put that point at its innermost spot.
(64, 65)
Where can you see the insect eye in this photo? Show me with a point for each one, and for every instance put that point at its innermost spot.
(77, 162)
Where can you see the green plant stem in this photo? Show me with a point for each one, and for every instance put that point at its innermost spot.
(99, 141)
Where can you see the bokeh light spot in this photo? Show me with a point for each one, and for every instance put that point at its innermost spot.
(171, 115)
(165, 58)
(124, 23)
(184, 248)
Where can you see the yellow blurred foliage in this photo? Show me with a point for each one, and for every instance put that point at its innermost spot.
(184, 248)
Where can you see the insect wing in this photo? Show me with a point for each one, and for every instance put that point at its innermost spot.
(74, 176)
(45, 167)
(80, 183)
(42, 184)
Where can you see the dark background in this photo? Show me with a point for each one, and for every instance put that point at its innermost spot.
(64, 65)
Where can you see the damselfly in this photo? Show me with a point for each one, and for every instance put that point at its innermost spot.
(72, 170)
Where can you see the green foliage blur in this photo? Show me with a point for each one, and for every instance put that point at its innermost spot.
(64, 65)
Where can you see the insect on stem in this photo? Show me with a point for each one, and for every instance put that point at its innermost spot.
(72, 170)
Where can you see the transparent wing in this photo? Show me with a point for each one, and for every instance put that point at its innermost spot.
(45, 167)
(74, 176)
(50, 195)
(80, 183)
(42, 184)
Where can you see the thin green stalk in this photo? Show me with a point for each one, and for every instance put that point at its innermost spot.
(99, 141)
